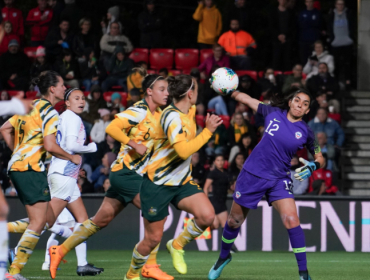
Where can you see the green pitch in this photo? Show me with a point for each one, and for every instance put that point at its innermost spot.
(244, 266)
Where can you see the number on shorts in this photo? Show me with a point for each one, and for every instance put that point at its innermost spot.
(288, 186)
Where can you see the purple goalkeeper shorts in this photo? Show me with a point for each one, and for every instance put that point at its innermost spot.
(250, 189)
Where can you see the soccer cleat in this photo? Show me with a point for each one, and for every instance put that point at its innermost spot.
(45, 266)
(14, 277)
(217, 268)
(303, 275)
(55, 259)
(135, 278)
(88, 270)
(8, 276)
(11, 255)
(177, 258)
(153, 271)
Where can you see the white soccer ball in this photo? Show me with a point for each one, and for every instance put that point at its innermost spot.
(224, 81)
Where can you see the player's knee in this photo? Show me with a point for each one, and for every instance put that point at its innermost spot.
(206, 219)
(154, 239)
(290, 220)
(234, 221)
(4, 210)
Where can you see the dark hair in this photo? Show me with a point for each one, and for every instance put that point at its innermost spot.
(81, 22)
(179, 85)
(242, 149)
(323, 108)
(283, 102)
(219, 155)
(324, 64)
(45, 80)
(68, 93)
(233, 167)
(149, 80)
(165, 70)
(216, 45)
(63, 19)
(141, 63)
(66, 52)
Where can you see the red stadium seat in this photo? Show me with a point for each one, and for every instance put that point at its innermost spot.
(204, 54)
(31, 94)
(278, 73)
(30, 51)
(161, 58)
(253, 74)
(174, 72)
(151, 71)
(288, 73)
(226, 120)
(200, 120)
(60, 107)
(226, 164)
(16, 93)
(304, 76)
(140, 54)
(186, 59)
(117, 88)
(107, 95)
(86, 93)
(260, 74)
(124, 96)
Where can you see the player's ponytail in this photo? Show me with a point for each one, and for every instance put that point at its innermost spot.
(44, 81)
(282, 102)
(180, 85)
(149, 81)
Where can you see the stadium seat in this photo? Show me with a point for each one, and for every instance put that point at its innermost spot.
(226, 165)
(288, 73)
(200, 120)
(151, 71)
(15, 93)
(60, 107)
(117, 88)
(304, 76)
(278, 73)
(140, 54)
(174, 72)
(204, 54)
(31, 94)
(226, 120)
(161, 58)
(30, 51)
(186, 59)
(252, 74)
(107, 95)
(262, 73)
(86, 93)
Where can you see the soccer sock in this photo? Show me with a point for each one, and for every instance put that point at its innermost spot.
(298, 243)
(153, 256)
(228, 238)
(4, 236)
(18, 226)
(62, 231)
(191, 232)
(137, 262)
(81, 254)
(26, 246)
(51, 242)
(80, 234)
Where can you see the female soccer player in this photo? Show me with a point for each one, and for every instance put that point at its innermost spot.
(30, 137)
(135, 128)
(266, 172)
(168, 177)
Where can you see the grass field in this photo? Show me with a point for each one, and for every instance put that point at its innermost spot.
(244, 266)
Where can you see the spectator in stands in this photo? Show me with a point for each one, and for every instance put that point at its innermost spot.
(109, 42)
(249, 86)
(210, 23)
(240, 45)
(15, 67)
(68, 69)
(41, 64)
(283, 29)
(89, 69)
(218, 143)
(328, 150)
(197, 171)
(236, 165)
(83, 182)
(94, 102)
(102, 171)
(58, 7)
(310, 26)
(58, 39)
(323, 81)
(319, 102)
(218, 105)
(106, 185)
(238, 127)
(318, 55)
(218, 59)
(98, 131)
(39, 19)
(163, 72)
(299, 187)
(321, 183)
(269, 82)
(73, 14)
(245, 147)
(85, 39)
(150, 25)
(341, 32)
(112, 16)
(135, 96)
(116, 102)
(294, 81)
(119, 67)
(333, 131)
(8, 36)
(14, 16)
(240, 11)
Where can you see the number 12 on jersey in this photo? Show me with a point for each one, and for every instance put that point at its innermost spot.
(274, 127)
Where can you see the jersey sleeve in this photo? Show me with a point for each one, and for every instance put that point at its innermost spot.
(264, 109)
(50, 118)
(74, 124)
(13, 120)
(172, 127)
(132, 116)
(311, 143)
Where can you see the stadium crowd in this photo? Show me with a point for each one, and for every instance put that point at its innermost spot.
(103, 65)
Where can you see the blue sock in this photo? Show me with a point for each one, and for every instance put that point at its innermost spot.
(228, 237)
(296, 237)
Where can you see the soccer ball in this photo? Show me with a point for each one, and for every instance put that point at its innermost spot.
(224, 81)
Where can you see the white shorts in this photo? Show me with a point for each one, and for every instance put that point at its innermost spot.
(63, 187)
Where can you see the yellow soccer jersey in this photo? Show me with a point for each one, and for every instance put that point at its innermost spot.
(165, 166)
(141, 127)
(29, 132)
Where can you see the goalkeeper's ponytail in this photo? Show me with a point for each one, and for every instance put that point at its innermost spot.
(282, 102)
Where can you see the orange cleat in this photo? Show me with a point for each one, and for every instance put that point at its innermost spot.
(153, 271)
(55, 259)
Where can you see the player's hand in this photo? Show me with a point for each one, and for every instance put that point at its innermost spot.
(140, 149)
(212, 122)
(76, 159)
(305, 171)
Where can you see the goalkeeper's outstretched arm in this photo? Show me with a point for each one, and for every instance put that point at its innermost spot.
(246, 99)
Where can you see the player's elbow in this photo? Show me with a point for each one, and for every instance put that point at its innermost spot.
(49, 147)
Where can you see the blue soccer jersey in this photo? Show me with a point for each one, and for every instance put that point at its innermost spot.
(282, 139)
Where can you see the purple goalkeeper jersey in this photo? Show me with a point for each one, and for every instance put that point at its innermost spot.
(271, 158)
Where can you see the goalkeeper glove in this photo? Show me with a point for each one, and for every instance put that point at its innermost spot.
(305, 171)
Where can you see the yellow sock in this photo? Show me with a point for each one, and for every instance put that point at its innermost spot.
(153, 256)
(137, 262)
(191, 232)
(26, 246)
(80, 234)
(18, 226)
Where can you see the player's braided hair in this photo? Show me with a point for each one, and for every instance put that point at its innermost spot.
(44, 81)
(282, 102)
(180, 85)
